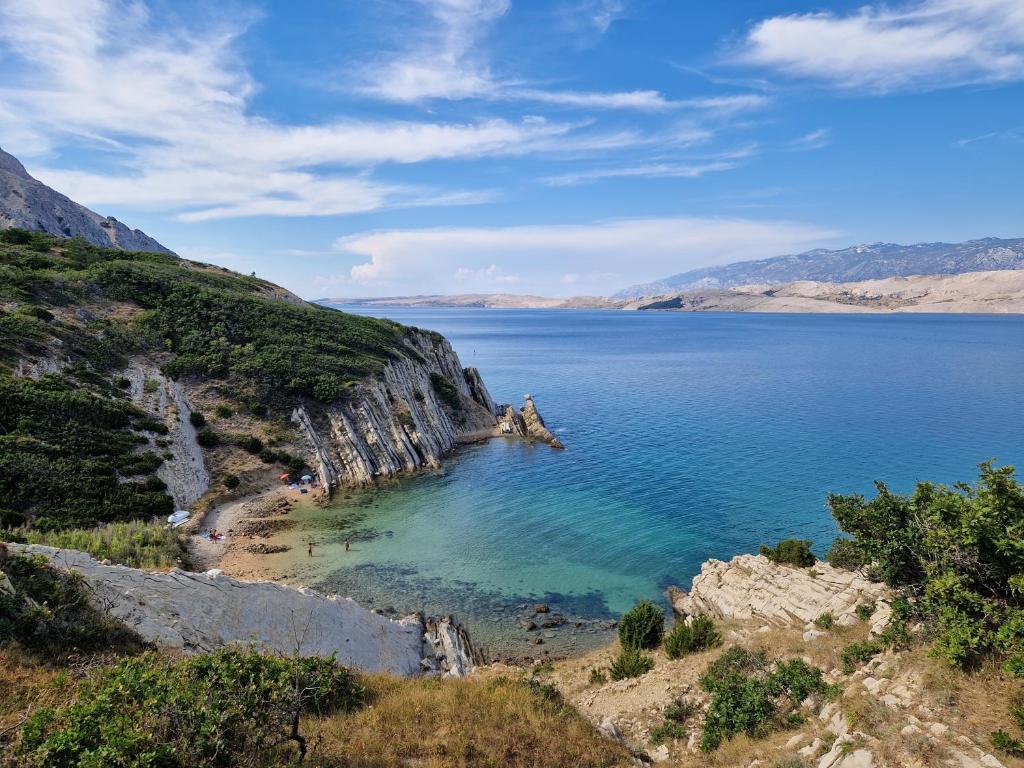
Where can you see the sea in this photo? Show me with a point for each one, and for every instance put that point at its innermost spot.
(688, 436)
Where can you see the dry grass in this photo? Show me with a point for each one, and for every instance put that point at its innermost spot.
(472, 722)
(25, 686)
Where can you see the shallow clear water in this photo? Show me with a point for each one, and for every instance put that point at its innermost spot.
(688, 436)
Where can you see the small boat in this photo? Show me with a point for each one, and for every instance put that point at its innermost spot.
(178, 517)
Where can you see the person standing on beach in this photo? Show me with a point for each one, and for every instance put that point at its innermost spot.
(346, 545)
(311, 549)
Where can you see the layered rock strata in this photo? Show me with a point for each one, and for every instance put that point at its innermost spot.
(527, 423)
(752, 587)
(400, 420)
(196, 612)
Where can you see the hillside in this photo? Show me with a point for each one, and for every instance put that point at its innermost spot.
(29, 204)
(132, 382)
(997, 292)
(480, 300)
(859, 262)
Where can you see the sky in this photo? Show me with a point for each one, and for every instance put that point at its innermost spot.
(349, 148)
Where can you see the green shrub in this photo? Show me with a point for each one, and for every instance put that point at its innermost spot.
(956, 552)
(860, 653)
(223, 411)
(196, 419)
(825, 621)
(864, 611)
(207, 438)
(680, 710)
(151, 425)
(49, 614)
(228, 708)
(667, 730)
(122, 382)
(630, 663)
(446, 391)
(844, 554)
(250, 443)
(751, 695)
(137, 544)
(230, 481)
(1004, 742)
(642, 626)
(697, 635)
(150, 386)
(792, 552)
(597, 676)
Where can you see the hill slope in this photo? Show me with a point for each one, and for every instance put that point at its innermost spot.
(127, 376)
(859, 262)
(29, 204)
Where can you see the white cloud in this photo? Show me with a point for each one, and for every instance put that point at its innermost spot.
(171, 110)
(599, 257)
(649, 171)
(816, 139)
(924, 44)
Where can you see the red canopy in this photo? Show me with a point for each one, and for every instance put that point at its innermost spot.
(283, 477)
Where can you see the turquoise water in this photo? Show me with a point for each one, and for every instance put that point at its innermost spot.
(688, 436)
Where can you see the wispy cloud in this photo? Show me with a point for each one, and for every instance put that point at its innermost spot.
(926, 44)
(817, 139)
(1010, 134)
(599, 255)
(648, 171)
(171, 111)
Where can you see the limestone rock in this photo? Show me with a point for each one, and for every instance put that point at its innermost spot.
(527, 422)
(396, 422)
(752, 587)
(197, 612)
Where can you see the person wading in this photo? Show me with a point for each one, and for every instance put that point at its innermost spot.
(310, 549)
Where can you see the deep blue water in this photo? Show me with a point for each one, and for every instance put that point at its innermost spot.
(688, 436)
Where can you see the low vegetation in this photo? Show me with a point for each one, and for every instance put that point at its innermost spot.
(152, 546)
(630, 662)
(792, 552)
(699, 634)
(754, 695)
(642, 626)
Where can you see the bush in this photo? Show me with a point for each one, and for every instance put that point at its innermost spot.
(844, 554)
(136, 544)
(597, 677)
(864, 611)
(955, 551)
(49, 614)
(642, 626)
(630, 663)
(860, 653)
(230, 480)
(151, 425)
(196, 419)
(227, 708)
(207, 438)
(446, 391)
(825, 621)
(697, 635)
(751, 695)
(792, 552)
(250, 443)
(1004, 742)
(223, 411)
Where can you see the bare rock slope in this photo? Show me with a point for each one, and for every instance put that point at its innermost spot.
(27, 203)
(196, 612)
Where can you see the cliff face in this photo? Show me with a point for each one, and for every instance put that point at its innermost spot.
(421, 406)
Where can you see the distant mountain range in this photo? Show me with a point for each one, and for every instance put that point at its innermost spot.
(477, 300)
(859, 262)
(27, 203)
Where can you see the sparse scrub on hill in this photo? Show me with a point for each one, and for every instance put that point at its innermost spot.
(699, 634)
(955, 553)
(630, 663)
(152, 546)
(791, 552)
(825, 621)
(446, 391)
(49, 614)
(754, 695)
(844, 553)
(642, 626)
(227, 708)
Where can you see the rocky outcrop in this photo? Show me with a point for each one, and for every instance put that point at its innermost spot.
(164, 400)
(400, 420)
(527, 423)
(752, 587)
(196, 612)
(29, 204)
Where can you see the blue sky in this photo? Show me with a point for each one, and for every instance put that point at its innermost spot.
(383, 147)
